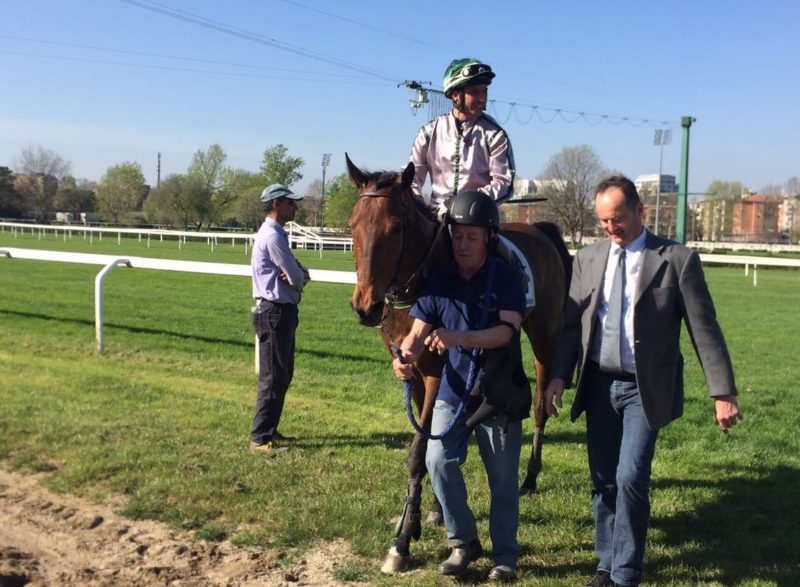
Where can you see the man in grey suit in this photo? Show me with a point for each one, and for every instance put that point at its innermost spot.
(622, 324)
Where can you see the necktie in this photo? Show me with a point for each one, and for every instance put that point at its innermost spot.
(610, 346)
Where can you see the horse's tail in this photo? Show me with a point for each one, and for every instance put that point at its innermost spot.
(553, 233)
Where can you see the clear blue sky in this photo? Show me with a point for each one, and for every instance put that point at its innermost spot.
(731, 64)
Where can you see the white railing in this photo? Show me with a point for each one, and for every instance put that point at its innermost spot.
(299, 236)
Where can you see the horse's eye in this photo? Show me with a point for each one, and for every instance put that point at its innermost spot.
(395, 228)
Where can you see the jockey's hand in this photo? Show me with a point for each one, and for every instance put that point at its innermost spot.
(441, 339)
(403, 369)
(552, 396)
(441, 212)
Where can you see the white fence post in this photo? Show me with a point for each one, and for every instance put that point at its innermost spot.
(98, 299)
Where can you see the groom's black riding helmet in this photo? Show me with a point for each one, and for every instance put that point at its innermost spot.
(475, 208)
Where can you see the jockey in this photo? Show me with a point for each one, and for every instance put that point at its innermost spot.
(465, 149)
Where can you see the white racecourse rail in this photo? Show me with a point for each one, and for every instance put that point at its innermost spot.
(299, 236)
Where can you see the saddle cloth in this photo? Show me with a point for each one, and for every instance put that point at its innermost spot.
(509, 252)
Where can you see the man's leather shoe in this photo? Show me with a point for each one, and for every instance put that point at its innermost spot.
(459, 559)
(502, 573)
(601, 579)
(267, 447)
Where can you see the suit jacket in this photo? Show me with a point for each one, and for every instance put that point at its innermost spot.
(671, 288)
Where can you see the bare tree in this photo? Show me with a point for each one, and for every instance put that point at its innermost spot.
(38, 171)
(41, 160)
(792, 186)
(570, 178)
(311, 206)
(771, 189)
(38, 192)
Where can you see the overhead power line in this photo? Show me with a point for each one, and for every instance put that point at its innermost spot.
(173, 68)
(179, 58)
(545, 114)
(391, 33)
(438, 104)
(251, 36)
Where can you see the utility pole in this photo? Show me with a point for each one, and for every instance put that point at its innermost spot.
(158, 170)
(326, 160)
(661, 137)
(683, 190)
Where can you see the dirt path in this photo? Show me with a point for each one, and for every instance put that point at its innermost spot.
(54, 539)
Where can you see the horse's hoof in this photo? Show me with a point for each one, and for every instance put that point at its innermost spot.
(527, 490)
(395, 562)
(434, 518)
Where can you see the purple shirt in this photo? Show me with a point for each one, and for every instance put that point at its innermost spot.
(272, 256)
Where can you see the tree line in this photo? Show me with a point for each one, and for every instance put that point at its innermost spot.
(209, 194)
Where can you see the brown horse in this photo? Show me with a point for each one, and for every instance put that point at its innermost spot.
(395, 243)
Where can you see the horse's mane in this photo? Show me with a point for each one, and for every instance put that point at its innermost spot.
(387, 179)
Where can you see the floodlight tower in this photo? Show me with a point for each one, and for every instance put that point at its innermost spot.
(326, 160)
(661, 137)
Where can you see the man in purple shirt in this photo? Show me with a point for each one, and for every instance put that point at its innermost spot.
(278, 280)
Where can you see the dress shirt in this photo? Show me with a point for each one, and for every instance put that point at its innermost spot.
(634, 253)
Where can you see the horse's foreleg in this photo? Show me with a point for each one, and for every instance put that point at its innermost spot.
(528, 486)
(409, 525)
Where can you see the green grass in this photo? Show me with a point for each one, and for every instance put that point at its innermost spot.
(162, 419)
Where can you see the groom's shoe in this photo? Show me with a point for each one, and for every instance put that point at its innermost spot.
(459, 559)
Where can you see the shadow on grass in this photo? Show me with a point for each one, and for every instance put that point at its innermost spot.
(192, 337)
(750, 533)
(387, 440)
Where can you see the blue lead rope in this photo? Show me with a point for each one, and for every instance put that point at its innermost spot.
(471, 376)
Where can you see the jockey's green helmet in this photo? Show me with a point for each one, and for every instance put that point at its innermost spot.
(465, 72)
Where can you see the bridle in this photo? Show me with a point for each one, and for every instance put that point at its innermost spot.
(395, 292)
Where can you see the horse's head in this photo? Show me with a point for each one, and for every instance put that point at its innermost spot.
(381, 227)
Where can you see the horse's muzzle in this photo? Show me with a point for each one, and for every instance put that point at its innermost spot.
(369, 317)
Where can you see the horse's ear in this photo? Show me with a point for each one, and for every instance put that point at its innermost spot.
(407, 176)
(358, 177)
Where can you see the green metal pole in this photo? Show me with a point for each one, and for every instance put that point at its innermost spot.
(683, 189)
